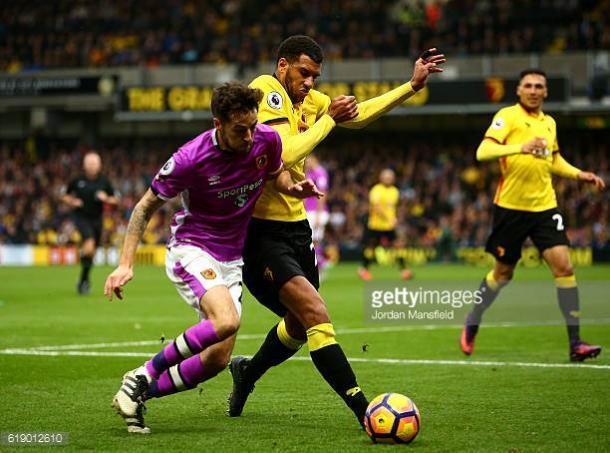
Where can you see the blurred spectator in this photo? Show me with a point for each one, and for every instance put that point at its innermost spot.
(69, 33)
(445, 195)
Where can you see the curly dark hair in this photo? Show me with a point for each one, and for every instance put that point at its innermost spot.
(295, 46)
(234, 97)
(531, 71)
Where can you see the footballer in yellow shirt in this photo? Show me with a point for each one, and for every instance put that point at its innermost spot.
(381, 227)
(279, 260)
(524, 140)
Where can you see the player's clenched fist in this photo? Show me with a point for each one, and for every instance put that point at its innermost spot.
(536, 146)
(115, 281)
(343, 108)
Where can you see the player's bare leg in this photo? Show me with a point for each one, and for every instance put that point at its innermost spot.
(86, 259)
(309, 310)
(180, 365)
(497, 278)
(558, 260)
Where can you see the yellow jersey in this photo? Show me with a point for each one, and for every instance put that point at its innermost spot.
(382, 211)
(526, 180)
(276, 110)
(301, 128)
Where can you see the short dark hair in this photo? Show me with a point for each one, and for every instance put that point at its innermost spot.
(531, 71)
(234, 97)
(295, 46)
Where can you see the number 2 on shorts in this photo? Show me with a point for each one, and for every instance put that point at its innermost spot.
(557, 218)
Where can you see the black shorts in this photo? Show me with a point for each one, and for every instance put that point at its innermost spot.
(511, 228)
(274, 253)
(89, 228)
(373, 238)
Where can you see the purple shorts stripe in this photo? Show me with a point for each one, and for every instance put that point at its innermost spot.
(190, 280)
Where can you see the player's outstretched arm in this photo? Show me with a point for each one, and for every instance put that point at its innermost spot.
(368, 111)
(490, 149)
(303, 189)
(140, 217)
(297, 147)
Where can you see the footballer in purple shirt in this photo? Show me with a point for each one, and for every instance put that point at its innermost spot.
(219, 176)
(317, 210)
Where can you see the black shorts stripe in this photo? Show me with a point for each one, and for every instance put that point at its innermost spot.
(171, 379)
(177, 350)
(182, 376)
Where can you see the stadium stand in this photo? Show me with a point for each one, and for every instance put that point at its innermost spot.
(445, 194)
(76, 33)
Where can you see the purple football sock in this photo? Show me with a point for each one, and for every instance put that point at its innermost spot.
(186, 375)
(194, 340)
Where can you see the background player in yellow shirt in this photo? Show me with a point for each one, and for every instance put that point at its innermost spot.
(524, 139)
(381, 227)
(279, 259)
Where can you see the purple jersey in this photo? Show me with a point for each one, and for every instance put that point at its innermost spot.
(319, 176)
(219, 190)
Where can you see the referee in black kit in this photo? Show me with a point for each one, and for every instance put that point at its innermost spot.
(87, 194)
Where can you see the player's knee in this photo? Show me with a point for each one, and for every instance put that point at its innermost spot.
(89, 247)
(503, 275)
(226, 325)
(314, 313)
(564, 270)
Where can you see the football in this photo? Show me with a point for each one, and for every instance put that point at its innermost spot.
(392, 418)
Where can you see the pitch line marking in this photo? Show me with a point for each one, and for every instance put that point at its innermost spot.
(34, 352)
(380, 329)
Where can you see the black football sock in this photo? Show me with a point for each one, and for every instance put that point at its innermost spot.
(367, 254)
(86, 263)
(569, 304)
(278, 347)
(488, 291)
(329, 359)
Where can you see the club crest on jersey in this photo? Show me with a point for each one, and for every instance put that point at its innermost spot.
(168, 167)
(275, 101)
(261, 161)
(208, 274)
(500, 251)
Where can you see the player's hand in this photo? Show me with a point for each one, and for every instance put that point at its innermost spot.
(305, 189)
(536, 147)
(102, 196)
(77, 203)
(343, 108)
(428, 63)
(592, 178)
(116, 280)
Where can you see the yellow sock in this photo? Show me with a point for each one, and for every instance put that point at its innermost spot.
(286, 339)
(320, 336)
(566, 282)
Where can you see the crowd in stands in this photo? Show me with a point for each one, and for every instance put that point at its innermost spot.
(446, 196)
(98, 33)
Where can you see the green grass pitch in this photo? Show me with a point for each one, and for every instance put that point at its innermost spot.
(518, 392)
